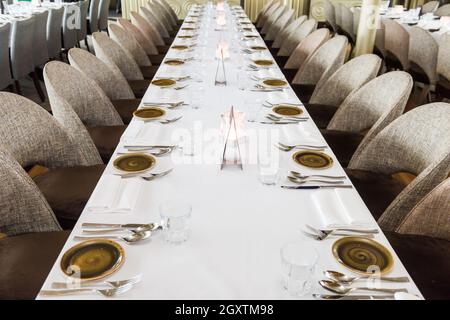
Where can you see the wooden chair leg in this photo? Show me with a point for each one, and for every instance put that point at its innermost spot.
(17, 85)
(37, 85)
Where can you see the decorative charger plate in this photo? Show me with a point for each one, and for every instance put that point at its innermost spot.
(164, 82)
(313, 159)
(247, 29)
(263, 62)
(258, 48)
(134, 162)
(188, 28)
(289, 111)
(274, 83)
(149, 113)
(92, 259)
(180, 47)
(185, 37)
(363, 255)
(251, 36)
(174, 62)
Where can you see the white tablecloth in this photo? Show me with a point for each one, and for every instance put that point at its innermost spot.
(238, 225)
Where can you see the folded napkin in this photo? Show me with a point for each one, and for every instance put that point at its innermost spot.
(338, 208)
(150, 134)
(298, 134)
(114, 194)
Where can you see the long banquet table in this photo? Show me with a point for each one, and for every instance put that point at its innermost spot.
(238, 225)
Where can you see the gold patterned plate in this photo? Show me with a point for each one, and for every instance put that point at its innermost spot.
(258, 48)
(185, 37)
(363, 255)
(174, 62)
(180, 47)
(134, 162)
(149, 113)
(313, 159)
(288, 111)
(163, 82)
(279, 83)
(92, 259)
(263, 62)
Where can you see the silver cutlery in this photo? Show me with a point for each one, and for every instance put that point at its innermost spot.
(351, 297)
(105, 292)
(329, 231)
(303, 181)
(160, 153)
(91, 284)
(145, 176)
(346, 186)
(132, 238)
(266, 90)
(340, 277)
(167, 121)
(300, 176)
(170, 104)
(320, 237)
(304, 148)
(339, 288)
(146, 226)
(133, 230)
(275, 117)
(149, 147)
(282, 103)
(283, 122)
(176, 88)
(175, 78)
(285, 119)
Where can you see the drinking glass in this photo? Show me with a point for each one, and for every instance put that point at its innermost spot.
(268, 166)
(242, 80)
(175, 217)
(252, 107)
(197, 96)
(298, 262)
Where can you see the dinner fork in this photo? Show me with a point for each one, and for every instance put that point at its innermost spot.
(171, 104)
(303, 181)
(291, 147)
(331, 230)
(283, 103)
(300, 176)
(321, 237)
(274, 118)
(176, 88)
(167, 121)
(160, 153)
(145, 176)
(90, 284)
(105, 292)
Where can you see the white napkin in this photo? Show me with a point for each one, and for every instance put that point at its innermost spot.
(151, 134)
(334, 211)
(114, 194)
(297, 134)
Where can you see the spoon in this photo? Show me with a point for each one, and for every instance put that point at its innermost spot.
(340, 277)
(339, 288)
(132, 238)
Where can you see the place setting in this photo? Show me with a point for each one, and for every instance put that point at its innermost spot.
(284, 114)
(158, 113)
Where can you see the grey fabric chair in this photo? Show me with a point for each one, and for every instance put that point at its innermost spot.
(82, 32)
(152, 18)
(443, 68)
(70, 36)
(284, 20)
(68, 88)
(263, 11)
(347, 23)
(103, 13)
(171, 20)
(93, 14)
(443, 11)
(330, 16)
(292, 41)
(143, 39)
(22, 35)
(396, 44)
(262, 20)
(430, 6)
(272, 19)
(173, 14)
(147, 28)
(40, 48)
(161, 13)
(54, 34)
(338, 15)
(285, 33)
(356, 19)
(6, 79)
(365, 112)
(34, 137)
(417, 142)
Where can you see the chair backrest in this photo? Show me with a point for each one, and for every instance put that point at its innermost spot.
(423, 51)
(147, 28)
(129, 44)
(84, 8)
(34, 137)
(70, 35)
(170, 14)
(324, 62)
(273, 18)
(443, 63)
(5, 67)
(40, 49)
(416, 142)
(443, 11)
(379, 40)
(22, 48)
(396, 41)
(153, 19)
(307, 47)
(430, 7)
(431, 216)
(280, 24)
(268, 13)
(347, 22)
(332, 90)
(372, 107)
(161, 12)
(93, 15)
(330, 16)
(111, 80)
(23, 208)
(338, 14)
(103, 13)
(143, 39)
(264, 9)
(356, 19)
(111, 53)
(292, 41)
(54, 34)
(287, 31)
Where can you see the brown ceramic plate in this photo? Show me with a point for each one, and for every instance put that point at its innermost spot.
(289, 111)
(180, 47)
(185, 37)
(313, 159)
(263, 62)
(258, 48)
(363, 255)
(134, 162)
(188, 28)
(251, 36)
(274, 82)
(149, 113)
(163, 82)
(92, 259)
(174, 62)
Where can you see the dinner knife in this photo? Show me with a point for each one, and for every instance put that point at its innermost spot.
(116, 225)
(348, 186)
(351, 297)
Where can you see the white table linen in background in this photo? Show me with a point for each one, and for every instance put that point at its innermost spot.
(238, 225)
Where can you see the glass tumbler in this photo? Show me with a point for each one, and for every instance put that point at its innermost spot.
(175, 218)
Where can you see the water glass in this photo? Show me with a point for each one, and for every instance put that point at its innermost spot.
(252, 108)
(175, 217)
(197, 96)
(242, 80)
(298, 262)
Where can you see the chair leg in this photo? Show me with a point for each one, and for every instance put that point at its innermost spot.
(37, 84)
(87, 44)
(17, 85)
(11, 88)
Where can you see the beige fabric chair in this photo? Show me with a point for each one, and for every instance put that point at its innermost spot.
(143, 39)
(153, 19)
(262, 20)
(161, 13)
(286, 18)
(430, 7)
(286, 32)
(443, 11)
(146, 28)
(292, 41)
(272, 19)
(417, 142)
(330, 16)
(443, 67)
(347, 23)
(23, 208)
(423, 54)
(396, 43)
(170, 18)
(356, 18)
(338, 15)
(263, 12)
(172, 13)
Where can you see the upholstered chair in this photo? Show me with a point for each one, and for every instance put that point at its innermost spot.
(365, 112)
(356, 19)
(271, 20)
(267, 14)
(111, 53)
(82, 31)
(34, 137)
(443, 11)
(148, 29)
(67, 85)
(338, 16)
(103, 13)
(92, 22)
(163, 16)
(347, 23)
(304, 50)
(430, 6)
(331, 90)
(285, 33)
(422, 241)
(6, 79)
(284, 20)
(153, 19)
(263, 11)
(443, 68)
(322, 63)
(173, 14)
(69, 34)
(54, 34)
(293, 40)
(111, 80)
(396, 44)
(330, 16)
(170, 18)
(40, 48)
(416, 142)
